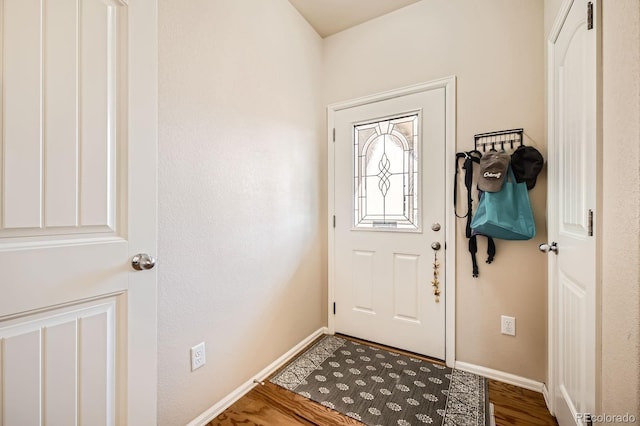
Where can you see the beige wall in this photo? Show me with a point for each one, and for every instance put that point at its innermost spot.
(495, 49)
(620, 376)
(240, 177)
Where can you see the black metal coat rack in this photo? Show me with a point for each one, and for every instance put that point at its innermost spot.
(498, 139)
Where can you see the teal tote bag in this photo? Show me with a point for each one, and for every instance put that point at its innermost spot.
(505, 214)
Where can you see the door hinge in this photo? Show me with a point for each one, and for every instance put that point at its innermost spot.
(334, 308)
(334, 134)
(590, 16)
(590, 223)
(334, 221)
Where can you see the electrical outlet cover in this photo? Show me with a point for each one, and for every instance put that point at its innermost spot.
(198, 356)
(508, 325)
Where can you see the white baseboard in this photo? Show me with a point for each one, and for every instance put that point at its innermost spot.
(492, 412)
(501, 376)
(547, 397)
(244, 388)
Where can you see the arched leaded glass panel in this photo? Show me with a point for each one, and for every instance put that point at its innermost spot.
(386, 174)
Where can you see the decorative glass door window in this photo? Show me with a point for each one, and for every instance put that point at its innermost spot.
(386, 174)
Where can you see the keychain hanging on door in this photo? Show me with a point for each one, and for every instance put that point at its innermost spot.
(436, 271)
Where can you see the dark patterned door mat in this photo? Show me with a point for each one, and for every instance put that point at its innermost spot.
(378, 387)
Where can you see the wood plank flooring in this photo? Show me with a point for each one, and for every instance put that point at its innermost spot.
(517, 406)
(271, 405)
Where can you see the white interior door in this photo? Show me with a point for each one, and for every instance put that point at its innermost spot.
(389, 201)
(572, 208)
(78, 200)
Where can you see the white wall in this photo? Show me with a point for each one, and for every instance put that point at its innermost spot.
(495, 48)
(240, 176)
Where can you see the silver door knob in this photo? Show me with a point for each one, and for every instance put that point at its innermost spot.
(436, 246)
(546, 248)
(143, 261)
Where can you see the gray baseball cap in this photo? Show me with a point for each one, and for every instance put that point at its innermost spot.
(493, 171)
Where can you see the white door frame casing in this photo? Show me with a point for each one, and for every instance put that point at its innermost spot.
(142, 303)
(449, 84)
(552, 207)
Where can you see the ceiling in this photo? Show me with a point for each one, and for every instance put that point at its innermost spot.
(331, 16)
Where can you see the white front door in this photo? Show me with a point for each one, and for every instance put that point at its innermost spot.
(389, 200)
(78, 200)
(572, 212)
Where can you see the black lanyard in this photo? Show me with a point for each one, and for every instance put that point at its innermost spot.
(470, 158)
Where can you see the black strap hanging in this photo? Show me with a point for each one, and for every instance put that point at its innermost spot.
(470, 158)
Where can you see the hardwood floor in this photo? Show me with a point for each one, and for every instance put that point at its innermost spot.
(518, 406)
(272, 405)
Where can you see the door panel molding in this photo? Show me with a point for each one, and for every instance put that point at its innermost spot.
(64, 103)
(52, 357)
(449, 86)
